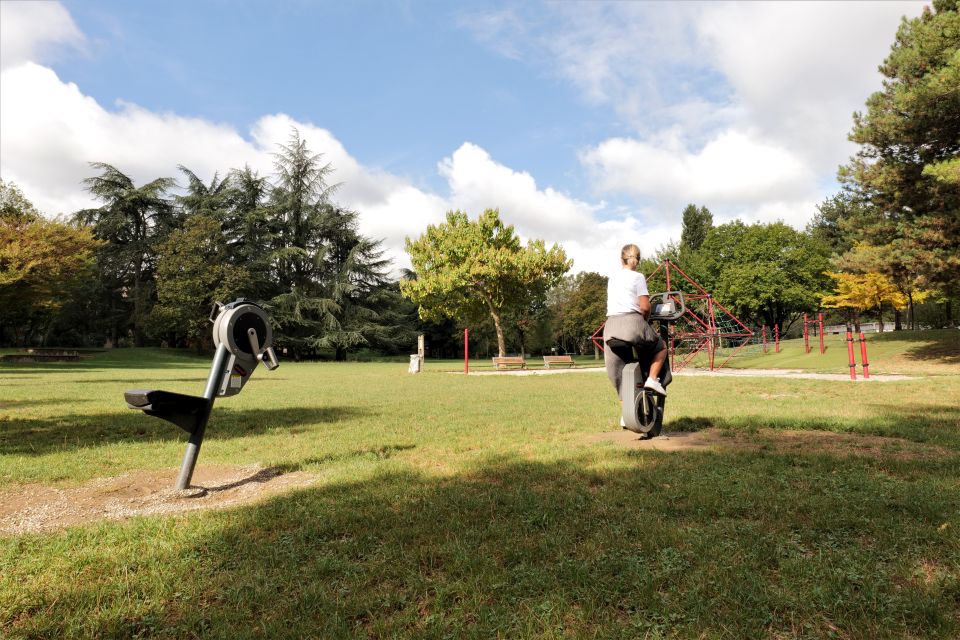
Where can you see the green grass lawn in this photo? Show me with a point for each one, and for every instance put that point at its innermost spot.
(449, 506)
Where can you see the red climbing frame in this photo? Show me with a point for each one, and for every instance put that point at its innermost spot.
(705, 326)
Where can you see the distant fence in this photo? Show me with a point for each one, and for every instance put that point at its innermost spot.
(840, 329)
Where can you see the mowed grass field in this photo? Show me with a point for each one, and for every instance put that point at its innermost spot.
(448, 506)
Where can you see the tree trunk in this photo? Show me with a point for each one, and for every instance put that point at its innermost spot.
(898, 320)
(495, 314)
(911, 318)
(341, 355)
(880, 319)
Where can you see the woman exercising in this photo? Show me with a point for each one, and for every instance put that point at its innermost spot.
(628, 307)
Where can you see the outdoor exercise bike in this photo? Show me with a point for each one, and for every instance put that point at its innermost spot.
(243, 338)
(641, 408)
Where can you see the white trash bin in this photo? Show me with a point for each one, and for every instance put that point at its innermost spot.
(415, 364)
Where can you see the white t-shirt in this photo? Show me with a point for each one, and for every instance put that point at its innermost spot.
(623, 289)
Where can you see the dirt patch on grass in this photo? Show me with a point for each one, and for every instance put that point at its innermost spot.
(780, 442)
(37, 507)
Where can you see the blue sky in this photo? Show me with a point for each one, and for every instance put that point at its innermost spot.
(401, 84)
(588, 124)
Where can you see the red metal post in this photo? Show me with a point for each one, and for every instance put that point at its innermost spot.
(776, 338)
(863, 356)
(711, 331)
(466, 351)
(806, 334)
(820, 329)
(763, 333)
(853, 363)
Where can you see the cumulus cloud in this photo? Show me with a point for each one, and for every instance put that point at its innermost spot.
(744, 107)
(734, 168)
(800, 84)
(52, 131)
(34, 31)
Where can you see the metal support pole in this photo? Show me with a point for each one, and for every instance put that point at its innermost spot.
(466, 351)
(713, 331)
(196, 438)
(820, 329)
(853, 363)
(806, 334)
(863, 356)
(776, 338)
(763, 332)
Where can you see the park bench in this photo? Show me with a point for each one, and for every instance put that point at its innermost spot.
(556, 360)
(509, 361)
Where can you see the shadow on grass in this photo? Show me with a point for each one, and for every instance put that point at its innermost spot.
(378, 453)
(941, 345)
(701, 545)
(935, 424)
(19, 404)
(40, 436)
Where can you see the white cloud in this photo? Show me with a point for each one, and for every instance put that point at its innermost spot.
(477, 182)
(34, 31)
(800, 85)
(735, 168)
(744, 107)
(52, 131)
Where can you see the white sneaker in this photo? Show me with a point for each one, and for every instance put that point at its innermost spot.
(655, 386)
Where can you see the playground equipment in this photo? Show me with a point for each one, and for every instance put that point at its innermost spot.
(706, 326)
(243, 338)
(641, 408)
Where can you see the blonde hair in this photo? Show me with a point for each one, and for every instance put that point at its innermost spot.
(629, 251)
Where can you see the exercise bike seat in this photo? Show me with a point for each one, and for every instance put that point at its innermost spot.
(178, 408)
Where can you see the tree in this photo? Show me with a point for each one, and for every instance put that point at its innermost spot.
(697, 222)
(355, 276)
(331, 285)
(41, 263)
(468, 268)
(767, 273)
(302, 309)
(859, 292)
(250, 231)
(902, 268)
(829, 225)
(909, 137)
(14, 206)
(579, 306)
(132, 223)
(193, 271)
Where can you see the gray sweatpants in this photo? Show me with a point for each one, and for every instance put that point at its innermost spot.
(632, 328)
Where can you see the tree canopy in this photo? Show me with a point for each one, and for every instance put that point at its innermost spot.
(765, 273)
(41, 261)
(467, 268)
(905, 171)
(861, 292)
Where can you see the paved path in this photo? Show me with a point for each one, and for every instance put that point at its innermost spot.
(743, 373)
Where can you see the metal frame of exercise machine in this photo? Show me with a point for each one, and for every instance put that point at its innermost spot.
(243, 339)
(642, 408)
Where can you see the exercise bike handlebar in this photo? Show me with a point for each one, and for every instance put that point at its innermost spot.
(669, 308)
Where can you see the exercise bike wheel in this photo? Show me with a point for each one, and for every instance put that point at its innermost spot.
(649, 409)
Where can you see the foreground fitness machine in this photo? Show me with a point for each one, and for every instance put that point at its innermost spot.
(641, 408)
(243, 338)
